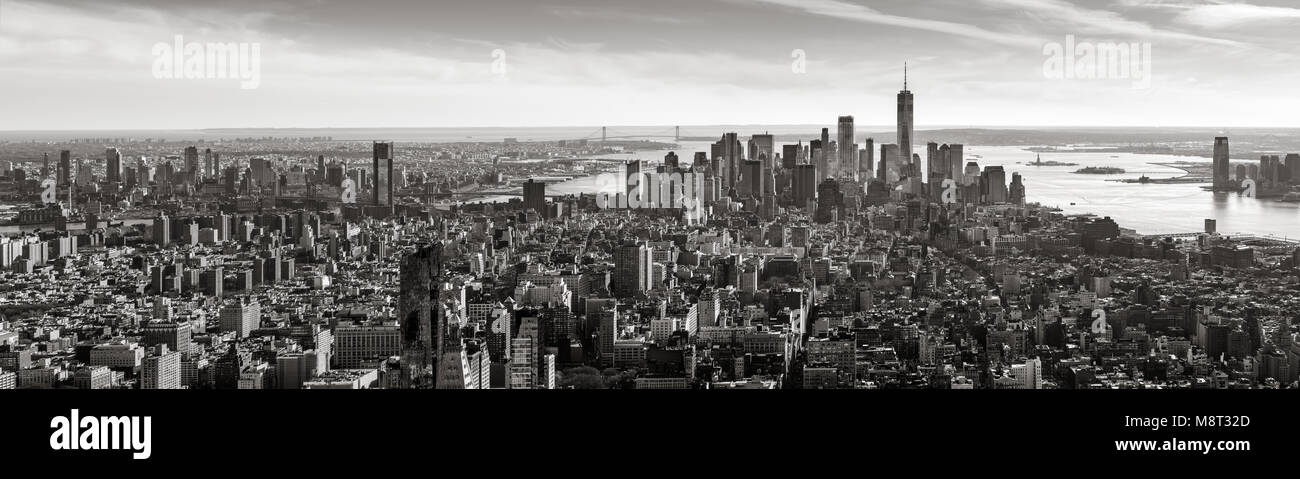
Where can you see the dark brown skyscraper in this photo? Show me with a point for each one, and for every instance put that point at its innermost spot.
(418, 312)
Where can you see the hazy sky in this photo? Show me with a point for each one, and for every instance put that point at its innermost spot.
(89, 64)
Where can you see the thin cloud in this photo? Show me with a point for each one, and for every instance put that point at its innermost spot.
(858, 13)
(588, 13)
(1234, 14)
(1102, 20)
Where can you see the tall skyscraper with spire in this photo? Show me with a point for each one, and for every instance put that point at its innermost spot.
(905, 125)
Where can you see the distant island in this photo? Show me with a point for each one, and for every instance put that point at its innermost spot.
(1100, 170)
(1039, 162)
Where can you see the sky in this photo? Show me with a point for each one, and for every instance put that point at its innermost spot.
(89, 64)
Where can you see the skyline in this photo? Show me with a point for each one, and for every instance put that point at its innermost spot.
(86, 66)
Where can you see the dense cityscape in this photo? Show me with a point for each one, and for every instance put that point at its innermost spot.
(288, 263)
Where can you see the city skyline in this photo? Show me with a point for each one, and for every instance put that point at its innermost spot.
(330, 64)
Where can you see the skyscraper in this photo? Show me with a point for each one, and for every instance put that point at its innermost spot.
(1221, 164)
(535, 197)
(891, 164)
(192, 162)
(65, 168)
(867, 162)
(631, 270)
(162, 234)
(241, 317)
(905, 121)
(113, 165)
(751, 179)
(730, 163)
(761, 149)
(805, 185)
(1017, 189)
(993, 185)
(419, 315)
(848, 153)
(383, 173)
(790, 155)
(162, 371)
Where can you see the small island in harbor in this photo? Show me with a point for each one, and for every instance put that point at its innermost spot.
(1039, 162)
(1100, 170)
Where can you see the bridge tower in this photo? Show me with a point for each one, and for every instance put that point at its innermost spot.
(602, 134)
(677, 133)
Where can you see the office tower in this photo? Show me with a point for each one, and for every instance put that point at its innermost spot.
(241, 318)
(113, 165)
(419, 314)
(848, 153)
(45, 165)
(905, 121)
(790, 155)
(162, 234)
(209, 163)
(761, 149)
(805, 185)
(634, 183)
(212, 281)
(700, 161)
(1221, 168)
(294, 369)
(383, 173)
(192, 165)
(671, 162)
(632, 270)
(523, 363)
(606, 333)
(956, 160)
(65, 168)
(728, 152)
(175, 335)
(817, 157)
(1033, 374)
(933, 163)
(891, 164)
(162, 371)
(84, 175)
(535, 197)
(1292, 165)
(1017, 194)
(993, 185)
(867, 162)
(751, 179)
(830, 202)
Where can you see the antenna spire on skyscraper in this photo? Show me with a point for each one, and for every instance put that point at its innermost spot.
(904, 76)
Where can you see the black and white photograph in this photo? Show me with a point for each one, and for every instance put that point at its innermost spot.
(864, 202)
